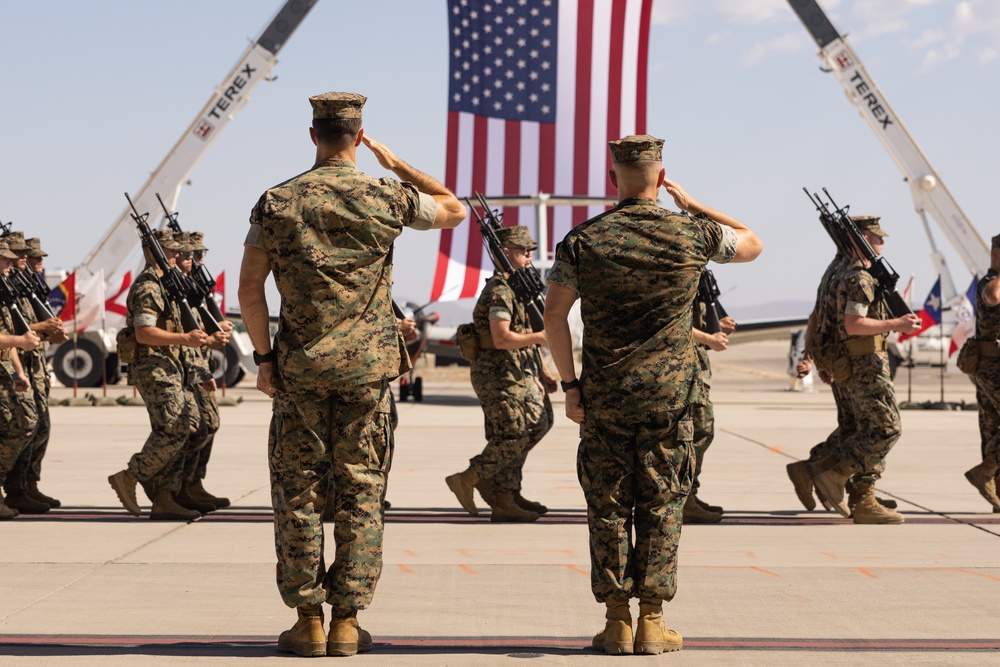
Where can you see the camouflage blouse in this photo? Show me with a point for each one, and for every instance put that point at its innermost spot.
(636, 270)
(328, 235)
(148, 305)
(987, 317)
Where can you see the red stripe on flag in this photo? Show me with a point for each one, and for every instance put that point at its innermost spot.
(480, 154)
(615, 59)
(581, 127)
(643, 55)
(547, 168)
(512, 169)
(450, 178)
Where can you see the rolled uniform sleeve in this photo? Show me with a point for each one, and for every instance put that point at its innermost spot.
(426, 212)
(727, 246)
(500, 313)
(860, 294)
(147, 304)
(255, 236)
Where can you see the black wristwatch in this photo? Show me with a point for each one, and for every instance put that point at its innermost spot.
(572, 384)
(264, 358)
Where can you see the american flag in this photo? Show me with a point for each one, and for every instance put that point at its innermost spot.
(537, 89)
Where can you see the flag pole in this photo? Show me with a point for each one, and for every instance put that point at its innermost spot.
(941, 351)
(909, 354)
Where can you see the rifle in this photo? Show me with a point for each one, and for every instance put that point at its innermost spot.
(708, 294)
(8, 299)
(172, 279)
(202, 281)
(27, 286)
(837, 235)
(526, 282)
(880, 269)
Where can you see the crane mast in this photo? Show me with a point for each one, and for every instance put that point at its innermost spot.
(227, 99)
(930, 196)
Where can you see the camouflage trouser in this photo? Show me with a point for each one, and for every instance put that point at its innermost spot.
(987, 381)
(637, 472)
(872, 401)
(517, 416)
(199, 447)
(703, 419)
(18, 421)
(173, 417)
(340, 445)
(28, 467)
(846, 426)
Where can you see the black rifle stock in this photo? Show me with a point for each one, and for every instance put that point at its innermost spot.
(172, 279)
(8, 299)
(28, 287)
(708, 294)
(201, 282)
(880, 269)
(526, 282)
(826, 219)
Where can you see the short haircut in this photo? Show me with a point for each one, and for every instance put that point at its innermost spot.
(336, 131)
(637, 173)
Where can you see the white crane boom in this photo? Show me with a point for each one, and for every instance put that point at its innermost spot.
(230, 96)
(930, 196)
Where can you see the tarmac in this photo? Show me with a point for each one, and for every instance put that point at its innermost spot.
(772, 584)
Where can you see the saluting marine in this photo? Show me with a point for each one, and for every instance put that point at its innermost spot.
(327, 235)
(635, 270)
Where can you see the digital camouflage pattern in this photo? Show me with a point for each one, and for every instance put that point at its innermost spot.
(636, 270)
(869, 388)
(635, 476)
(328, 235)
(337, 444)
(826, 342)
(987, 375)
(199, 447)
(702, 414)
(516, 412)
(158, 375)
(17, 409)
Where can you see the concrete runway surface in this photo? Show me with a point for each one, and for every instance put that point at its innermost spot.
(772, 584)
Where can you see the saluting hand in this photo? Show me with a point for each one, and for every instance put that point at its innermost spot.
(681, 198)
(386, 157)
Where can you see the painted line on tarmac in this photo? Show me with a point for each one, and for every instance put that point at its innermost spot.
(186, 643)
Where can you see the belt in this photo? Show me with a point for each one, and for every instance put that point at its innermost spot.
(858, 347)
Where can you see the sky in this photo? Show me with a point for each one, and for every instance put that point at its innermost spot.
(93, 95)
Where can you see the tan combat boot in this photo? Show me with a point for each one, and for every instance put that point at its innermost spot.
(529, 505)
(6, 513)
(652, 637)
(798, 472)
(123, 483)
(983, 477)
(25, 504)
(485, 490)
(306, 637)
(830, 478)
(462, 484)
(184, 499)
(346, 637)
(695, 513)
(198, 492)
(854, 493)
(33, 492)
(506, 510)
(709, 508)
(869, 510)
(165, 508)
(616, 638)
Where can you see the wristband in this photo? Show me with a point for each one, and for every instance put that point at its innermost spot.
(572, 384)
(267, 358)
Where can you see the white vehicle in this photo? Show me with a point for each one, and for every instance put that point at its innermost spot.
(930, 196)
(82, 362)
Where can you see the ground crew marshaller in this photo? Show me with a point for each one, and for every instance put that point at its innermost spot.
(327, 236)
(635, 270)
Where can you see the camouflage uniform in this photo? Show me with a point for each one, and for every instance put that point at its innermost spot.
(702, 414)
(636, 270)
(987, 375)
(18, 415)
(868, 388)
(159, 376)
(328, 235)
(196, 454)
(517, 412)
